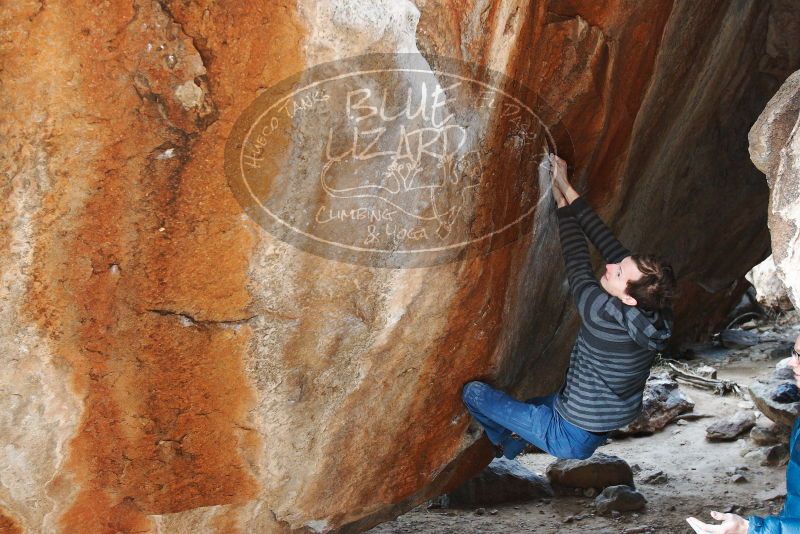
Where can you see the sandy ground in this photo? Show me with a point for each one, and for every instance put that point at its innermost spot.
(697, 471)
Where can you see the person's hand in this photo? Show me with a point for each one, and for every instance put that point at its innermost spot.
(559, 197)
(561, 180)
(731, 524)
(558, 168)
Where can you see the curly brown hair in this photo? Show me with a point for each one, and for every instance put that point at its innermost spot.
(655, 289)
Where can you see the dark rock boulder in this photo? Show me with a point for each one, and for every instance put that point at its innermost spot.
(619, 499)
(739, 339)
(762, 392)
(501, 482)
(599, 471)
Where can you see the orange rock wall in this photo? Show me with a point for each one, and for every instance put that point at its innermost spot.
(170, 367)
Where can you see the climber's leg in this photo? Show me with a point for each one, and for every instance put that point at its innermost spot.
(535, 421)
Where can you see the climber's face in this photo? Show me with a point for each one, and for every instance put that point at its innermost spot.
(616, 277)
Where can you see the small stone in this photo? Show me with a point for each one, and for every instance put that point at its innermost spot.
(681, 422)
(769, 433)
(773, 456)
(493, 511)
(756, 455)
(776, 455)
(590, 492)
(738, 479)
(615, 514)
(621, 498)
(480, 511)
(730, 428)
(732, 509)
(770, 494)
(737, 471)
(659, 477)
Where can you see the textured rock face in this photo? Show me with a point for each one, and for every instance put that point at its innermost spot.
(775, 150)
(770, 289)
(170, 367)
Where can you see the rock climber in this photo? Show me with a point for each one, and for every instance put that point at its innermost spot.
(625, 319)
(788, 522)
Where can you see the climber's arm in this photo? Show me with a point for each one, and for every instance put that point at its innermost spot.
(593, 227)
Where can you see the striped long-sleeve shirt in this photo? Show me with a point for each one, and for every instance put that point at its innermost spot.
(616, 345)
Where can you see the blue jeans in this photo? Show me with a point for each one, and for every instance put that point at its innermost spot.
(536, 421)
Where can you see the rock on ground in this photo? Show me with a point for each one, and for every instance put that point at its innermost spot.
(599, 471)
(762, 392)
(659, 477)
(620, 499)
(739, 339)
(770, 433)
(773, 456)
(501, 482)
(732, 427)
